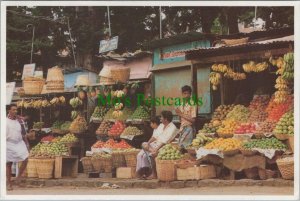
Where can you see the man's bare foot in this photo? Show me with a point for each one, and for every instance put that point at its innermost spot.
(152, 176)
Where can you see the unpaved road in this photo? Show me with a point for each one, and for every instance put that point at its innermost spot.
(235, 190)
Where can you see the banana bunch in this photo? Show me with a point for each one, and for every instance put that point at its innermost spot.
(118, 93)
(74, 114)
(21, 103)
(235, 76)
(219, 68)
(214, 79)
(117, 114)
(253, 67)
(37, 104)
(75, 102)
(281, 95)
(281, 84)
(118, 106)
(279, 62)
(201, 140)
(288, 69)
(54, 101)
(45, 103)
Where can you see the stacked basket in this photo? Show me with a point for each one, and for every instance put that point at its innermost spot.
(166, 169)
(45, 167)
(286, 167)
(33, 85)
(55, 80)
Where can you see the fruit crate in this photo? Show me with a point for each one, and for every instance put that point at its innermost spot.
(66, 166)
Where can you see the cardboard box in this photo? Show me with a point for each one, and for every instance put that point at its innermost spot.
(205, 172)
(126, 172)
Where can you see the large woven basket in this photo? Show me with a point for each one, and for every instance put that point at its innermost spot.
(291, 142)
(120, 74)
(286, 168)
(32, 87)
(87, 164)
(45, 168)
(235, 41)
(31, 168)
(102, 164)
(166, 169)
(282, 136)
(130, 158)
(118, 160)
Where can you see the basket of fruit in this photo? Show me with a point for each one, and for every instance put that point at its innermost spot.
(78, 126)
(102, 163)
(87, 164)
(281, 136)
(266, 174)
(70, 140)
(118, 159)
(286, 167)
(130, 158)
(31, 168)
(45, 167)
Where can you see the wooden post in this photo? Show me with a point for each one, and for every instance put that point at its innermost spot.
(222, 89)
(194, 82)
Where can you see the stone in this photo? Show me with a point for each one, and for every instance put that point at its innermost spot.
(191, 183)
(151, 184)
(177, 184)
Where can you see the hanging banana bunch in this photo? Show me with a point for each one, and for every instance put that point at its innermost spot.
(214, 79)
(288, 72)
(222, 68)
(283, 90)
(253, 67)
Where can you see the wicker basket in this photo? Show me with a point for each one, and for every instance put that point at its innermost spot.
(45, 168)
(286, 168)
(248, 152)
(31, 168)
(118, 160)
(87, 164)
(266, 174)
(235, 41)
(166, 169)
(130, 158)
(291, 143)
(120, 74)
(281, 136)
(32, 87)
(102, 164)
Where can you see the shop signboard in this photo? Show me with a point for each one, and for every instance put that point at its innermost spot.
(10, 87)
(28, 70)
(108, 45)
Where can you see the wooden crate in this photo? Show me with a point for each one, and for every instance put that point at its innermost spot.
(205, 172)
(187, 173)
(66, 166)
(125, 172)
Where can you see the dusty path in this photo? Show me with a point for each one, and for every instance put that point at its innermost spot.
(234, 190)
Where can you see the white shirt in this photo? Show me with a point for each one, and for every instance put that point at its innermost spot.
(165, 135)
(13, 130)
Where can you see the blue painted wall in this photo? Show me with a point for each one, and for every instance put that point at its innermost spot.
(175, 48)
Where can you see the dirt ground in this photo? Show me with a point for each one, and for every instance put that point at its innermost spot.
(234, 190)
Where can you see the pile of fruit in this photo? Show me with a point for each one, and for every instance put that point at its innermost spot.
(78, 125)
(257, 116)
(116, 129)
(259, 102)
(99, 112)
(245, 128)
(109, 113)
(221, 112)
(126, 113)
(285, 124)
(69, 138)
(141, 112)
(222, 144)
(49, 150)
(210, 127)
(38, 125)
(265, 143)
(75, 102)
(227, 127)
(265, 127)
(288, 72)
(112, 144)
(131, 131)
(48, 138)
(104, 128)
(65, 126)
(201, 140)
(239, 113)
(169, 152)
(276, 110)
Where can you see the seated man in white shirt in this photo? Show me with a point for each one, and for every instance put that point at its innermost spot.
(162, 135)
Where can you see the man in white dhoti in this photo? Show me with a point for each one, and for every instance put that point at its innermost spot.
(17, 146)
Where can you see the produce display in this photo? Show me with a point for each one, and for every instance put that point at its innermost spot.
(131, 131)
(259, 102)
(210, 127)
(99, 112)
(265, 143)
(169, 152)
(75, 102)
(222, 144)
(48, 138)
(239, 113)
(126, 113)
(227, 127)
(265, 127)
(112, 144)
(116, 129)
(38, 125)
(285, 124)
(201, 140)
(78, 125)
(104, 128)
(276, 110)
(221, 112)
(245, 128)
(49, 150)
(141, 112)
(69, 138)
(257, 116)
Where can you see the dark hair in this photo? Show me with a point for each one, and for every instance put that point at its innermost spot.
(10, 106)
(186, 88)
(167, 115)
(155, 120)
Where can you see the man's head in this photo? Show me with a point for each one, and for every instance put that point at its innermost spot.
(166, 117)
(12, 110)
(186, 91)
(154, 122)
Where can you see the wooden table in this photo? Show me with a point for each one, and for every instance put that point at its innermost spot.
(66, 166)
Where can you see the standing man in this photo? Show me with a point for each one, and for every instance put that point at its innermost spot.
(17, 146)
(187, 113)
